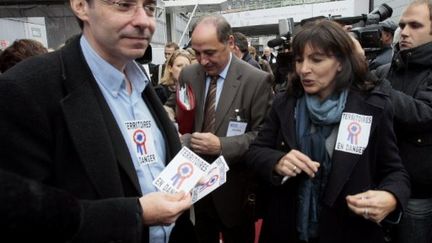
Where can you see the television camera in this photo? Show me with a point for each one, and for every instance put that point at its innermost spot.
(366, 28)
(282, 44)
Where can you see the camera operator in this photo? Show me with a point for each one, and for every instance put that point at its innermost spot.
(371, 30)
(385, 54)
(282, 64)
(409, 84)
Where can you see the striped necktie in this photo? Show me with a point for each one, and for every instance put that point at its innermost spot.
(210, 106)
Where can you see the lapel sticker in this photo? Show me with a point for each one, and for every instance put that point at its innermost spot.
(354, 132)
(142, 138)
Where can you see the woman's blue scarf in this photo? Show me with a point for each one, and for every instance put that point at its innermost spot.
(322, 116)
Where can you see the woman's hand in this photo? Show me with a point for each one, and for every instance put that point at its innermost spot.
(372, 205)
(294, 163)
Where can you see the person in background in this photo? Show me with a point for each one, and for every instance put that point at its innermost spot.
(85, 119)
(192, 54)
(385, 55)
(241, 49)
(18, 51)
(270, 58)
(265, 66)
(157, 71)
(175, 63)
(408, 83)
(166, 90)
(328, 148)
(225, 88)
(268, 55)
(169, 49)
(396, 39)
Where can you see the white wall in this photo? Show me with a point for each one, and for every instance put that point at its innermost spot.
(160, 37)
(180, 23)
(23, 28)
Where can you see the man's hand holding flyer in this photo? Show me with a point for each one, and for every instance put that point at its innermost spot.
(189, 173)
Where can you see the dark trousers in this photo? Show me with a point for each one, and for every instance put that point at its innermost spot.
(208, 225)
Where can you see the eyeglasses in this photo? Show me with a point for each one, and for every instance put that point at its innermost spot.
(130, 8)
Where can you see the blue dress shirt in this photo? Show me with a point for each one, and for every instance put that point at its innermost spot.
(130, 107)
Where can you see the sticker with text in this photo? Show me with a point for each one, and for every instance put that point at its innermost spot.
(354, 132)
(182, 173)
(141, 136)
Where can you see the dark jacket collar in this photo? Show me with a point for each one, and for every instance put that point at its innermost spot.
(91, 124)
(418, 57)
(246, 57)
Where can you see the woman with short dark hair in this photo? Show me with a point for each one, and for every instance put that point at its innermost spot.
(328, 148)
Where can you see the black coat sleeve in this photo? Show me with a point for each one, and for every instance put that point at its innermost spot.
(413, 113)
(390, 173)
(263, 153)
(33, 212)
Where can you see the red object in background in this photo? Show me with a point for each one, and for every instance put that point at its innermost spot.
(185, 113)
(258, 225)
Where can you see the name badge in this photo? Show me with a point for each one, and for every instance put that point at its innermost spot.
(141, 136)
(237, 125)
(236, 128)
(354, 132)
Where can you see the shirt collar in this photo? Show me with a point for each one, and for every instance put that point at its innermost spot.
(110, 77)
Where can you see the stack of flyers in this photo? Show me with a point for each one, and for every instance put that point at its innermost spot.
(189, 173)
(182, 173)
(214, 178)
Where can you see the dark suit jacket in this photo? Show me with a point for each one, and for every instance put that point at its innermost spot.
(31, 211)
(57, 128)
(245, 88)
(378, 168)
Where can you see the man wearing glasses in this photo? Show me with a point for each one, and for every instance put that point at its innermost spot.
(79, 118)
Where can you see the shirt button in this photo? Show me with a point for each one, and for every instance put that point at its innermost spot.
(419, 140)
(282, 144)
(114, 93)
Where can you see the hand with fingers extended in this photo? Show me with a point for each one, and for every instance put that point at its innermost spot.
(161, 208)
(372, 205)
(294, 163)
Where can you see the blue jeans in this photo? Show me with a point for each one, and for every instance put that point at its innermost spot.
(416, 223)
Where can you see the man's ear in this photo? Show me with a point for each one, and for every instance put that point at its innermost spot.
(79, 7)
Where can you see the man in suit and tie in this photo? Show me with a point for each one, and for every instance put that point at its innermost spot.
(226, 89)
(85, 119)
